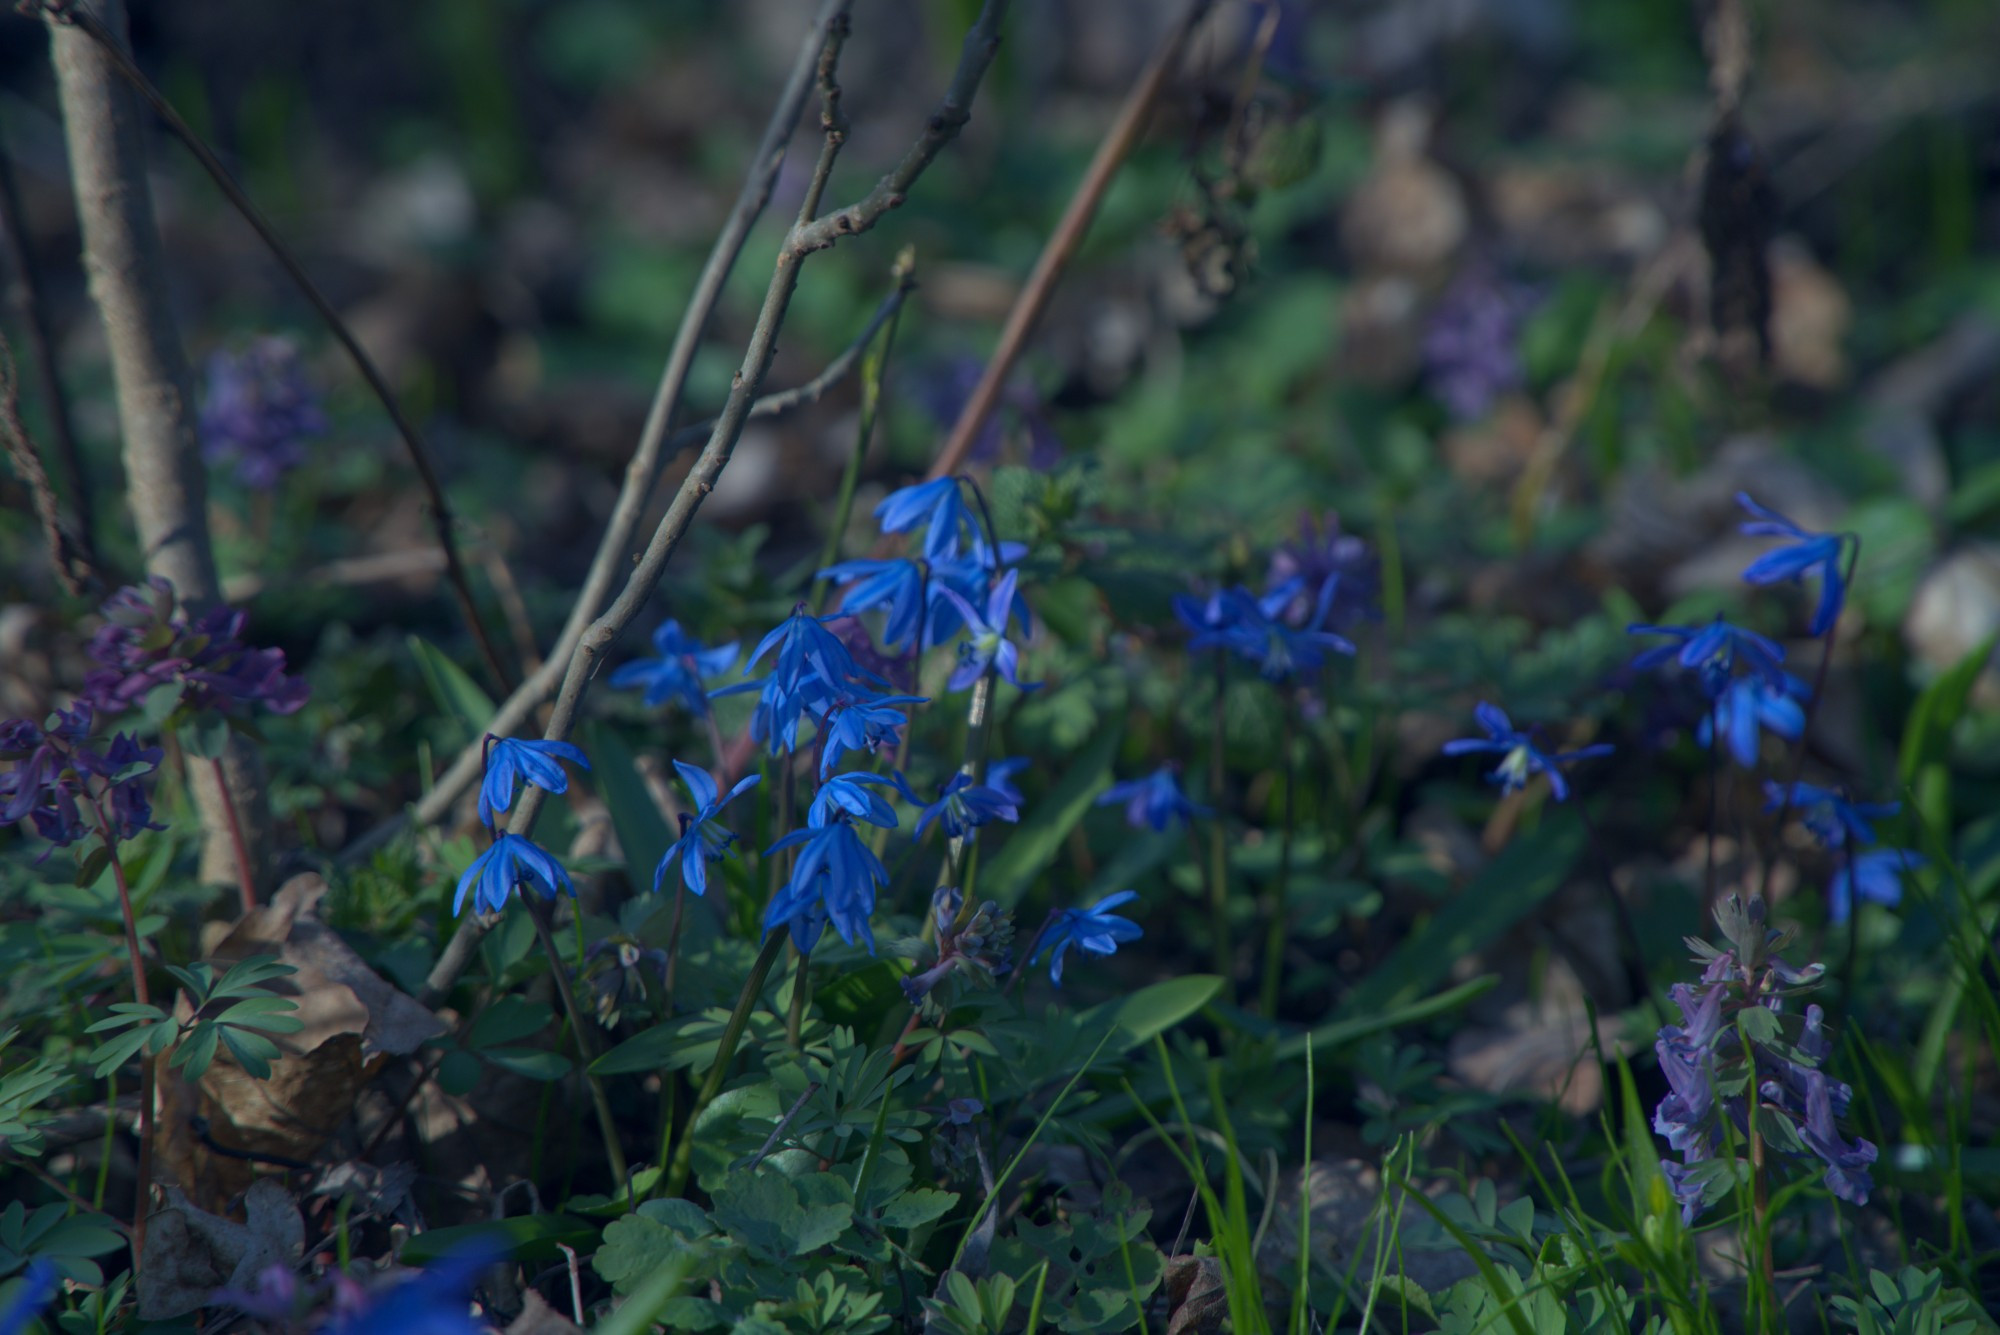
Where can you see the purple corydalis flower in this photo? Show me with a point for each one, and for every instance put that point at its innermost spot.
(1155, 800)
(1876, 876)
(678, 674)
(1807, 553)
(511, 861)
(1829, 815)
(1095, 931)
(57, 773)
(1323, 552)
(1471, 341)
(510, 762)
(1748, 704)
(703, 840)
(975, 945)
(143, 645)
(1520, 759)
(258, 411)
(1713, 653)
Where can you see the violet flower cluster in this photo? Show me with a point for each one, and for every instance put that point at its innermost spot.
(1730, 1057)
(258, 411)
(1471, 342)
(178, 663)
(69, 786)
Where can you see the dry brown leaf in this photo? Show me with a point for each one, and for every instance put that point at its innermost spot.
(191, 1253)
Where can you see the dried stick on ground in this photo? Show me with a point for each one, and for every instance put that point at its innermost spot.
(981, 43)
(72, 542)
(68, 11)
(166, 486)
(1062, 243)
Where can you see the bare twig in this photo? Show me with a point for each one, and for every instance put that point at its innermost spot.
(71, 544)
(517, 708)
(166, 483)
(981, 43)
(1062, 243)
(68, 12)
(71, 566)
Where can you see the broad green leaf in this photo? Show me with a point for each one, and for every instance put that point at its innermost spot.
(1032, 848)
(508, 1020)
(918, 1206)
(1154, 1009)
(1342, 1032)
(634, 1248)
(1923, 764)
(531, 1237)
(532, 1063)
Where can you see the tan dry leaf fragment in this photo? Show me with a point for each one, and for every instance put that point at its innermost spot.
(191, 1253)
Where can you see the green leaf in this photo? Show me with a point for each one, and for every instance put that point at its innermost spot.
(1154, 1009)
(765, 1212)
(253, 1052)
(652, 1049)
(916, 1207)
(533, 1063)
(1339, 1033)
(1509, 888)
(1032, 848)
(92, 866)
(634, 1248)
(642, 832)
(508, 1020)
(456, 693)
(1923, 765)
(108, 1056)
(197, 1051)
(458, 1073)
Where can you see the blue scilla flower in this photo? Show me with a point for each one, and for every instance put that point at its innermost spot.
(511, 861)
(1876, 876)
(1000, 778)
(988, 647)
(1258, 629)
(703, 839)
(684, 663)
(1828, 815)
(1520, 758)
(1210, 620)
(509, 761)
(1154, 800)
(897, 585)
(858, 720)
(811, 665)
(1095, 931)
(1748, 704)
(938, 503)
(1806, 553)
(835, 874)
(846, 797)
(962, 805)
(1713, 652)
(970, 576)
(437, 1301)
(39, 1285)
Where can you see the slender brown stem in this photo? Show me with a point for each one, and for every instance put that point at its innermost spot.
(244, 876)
(143, 1184)
(585, 1049)
(1063, 242)
(66, 11)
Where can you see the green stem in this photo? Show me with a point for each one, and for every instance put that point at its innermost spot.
(585, 1054)
(873, 367)
(725, 1052)
(1218, 846)
(795, 1021)
(1275, 903)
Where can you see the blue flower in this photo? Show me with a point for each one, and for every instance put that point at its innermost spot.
(435, 1302)
(898, 585)
(508, 760)
(1807, 552)
(836, 875)
(1876, 875)
(962, 805)
(1257, 629)
(1747, 704)
(971, 577)
(812, 664)
(844, 797)
(1520, 757)
(989, 647)
(859, 721)
(1000, 778)
(1154, 800)
(511, 861)
(39, 1285)
(1713, 651)
(1832, 819)
(1094, 931)
(703, 840)
(1210, 620)
(677, 674)
(937, 503)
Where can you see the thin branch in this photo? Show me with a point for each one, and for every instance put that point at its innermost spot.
(71, 566)
(981, 44)
(1063, 242)
(67, 12)
(72, 545)
(519, 707)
